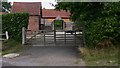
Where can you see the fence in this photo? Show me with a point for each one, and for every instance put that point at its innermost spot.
(4, 34)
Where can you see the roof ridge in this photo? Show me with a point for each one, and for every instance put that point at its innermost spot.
(27, 2)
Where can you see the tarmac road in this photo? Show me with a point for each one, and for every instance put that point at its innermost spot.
(46, 56)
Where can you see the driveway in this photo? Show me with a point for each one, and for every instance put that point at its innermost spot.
(47, 56)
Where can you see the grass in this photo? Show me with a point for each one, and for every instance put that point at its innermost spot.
(100, 57)
(11, 46)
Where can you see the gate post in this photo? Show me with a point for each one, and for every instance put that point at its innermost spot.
(75, 37)
(55, 37)
(44, 32)
(23, 35)
(65, 36)
(7, 36)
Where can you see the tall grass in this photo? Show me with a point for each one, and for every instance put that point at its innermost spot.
(100, 57)
(11, 46)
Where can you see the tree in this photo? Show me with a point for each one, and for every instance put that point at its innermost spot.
(6, 7)
(100, 20)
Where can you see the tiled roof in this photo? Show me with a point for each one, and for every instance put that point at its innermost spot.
(51, 13)
(33, 8)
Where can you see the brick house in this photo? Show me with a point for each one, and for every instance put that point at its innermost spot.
(49, 15)
(34, 10)
(39, 15)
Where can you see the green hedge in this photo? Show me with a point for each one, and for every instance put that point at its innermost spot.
(0, 24)
(13, 23)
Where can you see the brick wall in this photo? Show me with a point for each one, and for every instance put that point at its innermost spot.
(33, 23)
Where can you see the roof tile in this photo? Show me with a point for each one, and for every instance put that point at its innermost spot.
(49, 13)
(33, 8)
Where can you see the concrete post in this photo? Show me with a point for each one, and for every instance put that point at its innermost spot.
(23, 35)
(7, 36)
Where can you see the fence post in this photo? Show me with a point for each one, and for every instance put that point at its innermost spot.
(44, 32)
(65, 37)
(7, 36)
(75, 37)
(55, 37)
(23, 35)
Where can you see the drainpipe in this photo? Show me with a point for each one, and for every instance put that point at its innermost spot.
(40, 16)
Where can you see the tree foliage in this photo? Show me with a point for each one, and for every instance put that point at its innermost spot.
(100, 20)
(6, 6)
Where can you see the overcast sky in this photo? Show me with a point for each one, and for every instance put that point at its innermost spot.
(45, 3)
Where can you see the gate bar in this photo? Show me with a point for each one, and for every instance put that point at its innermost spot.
(44, 37)
(55, 37)
(75, 37)
(65, 37)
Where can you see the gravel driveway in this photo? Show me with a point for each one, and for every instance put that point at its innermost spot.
(47, 56)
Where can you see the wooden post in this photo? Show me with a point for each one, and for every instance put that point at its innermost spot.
(55, 37)
(7, 36)
(65, 37)
(44, 32)
(44, 24)
(75, 37)
(23, 35)
(83, 36)
(54, 32)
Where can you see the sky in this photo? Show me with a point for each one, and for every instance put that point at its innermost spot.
(45, 3)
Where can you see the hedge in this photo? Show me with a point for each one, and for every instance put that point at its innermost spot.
(0, 24)
(13, 23)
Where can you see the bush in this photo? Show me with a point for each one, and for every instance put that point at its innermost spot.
(98, 20)
(102, 26)
(13, 23)
(102, 29)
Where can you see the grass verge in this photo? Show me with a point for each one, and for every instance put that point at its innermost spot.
(11, 46)
(100, 57)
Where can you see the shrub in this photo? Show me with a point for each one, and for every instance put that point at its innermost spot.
(102, 29)
(13, 23)
(99, 21)
(102, 25)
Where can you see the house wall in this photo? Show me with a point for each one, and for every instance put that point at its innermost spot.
(48, 24)
(65, 20)
(33, 23)
(49, 21)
